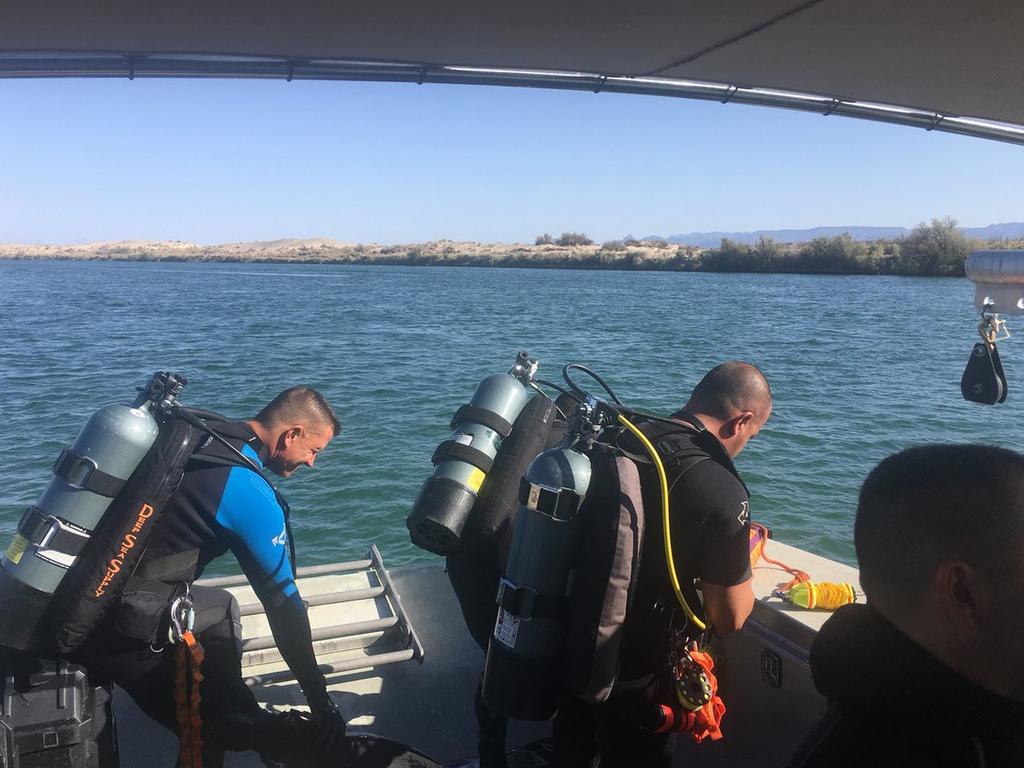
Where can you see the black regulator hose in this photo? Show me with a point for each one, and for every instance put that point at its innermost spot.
(202, 413)
(560, 388)
(576, 387)
(563, 390)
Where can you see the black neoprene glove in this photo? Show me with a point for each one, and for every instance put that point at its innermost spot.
(330, 725)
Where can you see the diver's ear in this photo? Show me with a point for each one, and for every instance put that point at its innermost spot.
(733, 426)
(290, 435)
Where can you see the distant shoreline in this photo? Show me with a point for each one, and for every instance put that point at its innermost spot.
(931, 250)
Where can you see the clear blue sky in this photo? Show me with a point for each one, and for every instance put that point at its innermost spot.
(215, 161)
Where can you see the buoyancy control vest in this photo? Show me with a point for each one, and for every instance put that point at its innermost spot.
(607, 564)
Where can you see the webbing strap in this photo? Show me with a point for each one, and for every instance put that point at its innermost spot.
(489, 419)
(187, 700)
(560, 504)
(168, 565)
(82, 472)
(49, 532)
(450, 449)
(526, 603)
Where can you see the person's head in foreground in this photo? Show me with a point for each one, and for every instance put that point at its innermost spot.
(940, 543)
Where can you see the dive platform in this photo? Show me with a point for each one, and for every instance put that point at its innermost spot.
(401, 664)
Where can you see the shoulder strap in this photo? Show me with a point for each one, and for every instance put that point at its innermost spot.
(685, 465)
(163, 568)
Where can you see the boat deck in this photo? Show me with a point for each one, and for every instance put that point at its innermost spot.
(428, 704)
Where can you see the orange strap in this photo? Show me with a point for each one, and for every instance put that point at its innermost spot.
(759, 549)
(187, 700)
(708, 719)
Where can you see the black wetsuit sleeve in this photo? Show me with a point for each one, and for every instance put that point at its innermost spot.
(289, 624)
(714, 531)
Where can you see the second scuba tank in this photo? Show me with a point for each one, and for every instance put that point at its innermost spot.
(521, 678)
(463, 460)
(53, 532)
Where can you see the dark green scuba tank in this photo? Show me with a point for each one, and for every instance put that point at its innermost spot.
(521, 679)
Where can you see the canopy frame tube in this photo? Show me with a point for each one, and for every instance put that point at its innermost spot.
(134, 65)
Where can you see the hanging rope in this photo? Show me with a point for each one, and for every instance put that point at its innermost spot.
(800, 590)
(187, 700)
(757, 551)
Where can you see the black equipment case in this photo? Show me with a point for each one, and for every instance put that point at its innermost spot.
(51, 716)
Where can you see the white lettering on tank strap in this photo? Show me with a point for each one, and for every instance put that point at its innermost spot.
(744, 514)
(281, 539)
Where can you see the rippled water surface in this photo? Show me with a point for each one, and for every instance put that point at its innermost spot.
(861, 366)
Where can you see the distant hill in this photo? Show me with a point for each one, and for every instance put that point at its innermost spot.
(1012, 229)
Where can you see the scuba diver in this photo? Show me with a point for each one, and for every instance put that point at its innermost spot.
(221, 505)
(710, 522)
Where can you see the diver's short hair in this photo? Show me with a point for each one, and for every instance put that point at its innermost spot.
(926, 505)
(300, 405)
(731, 387)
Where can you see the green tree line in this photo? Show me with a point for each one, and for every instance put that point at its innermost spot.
(937, 248)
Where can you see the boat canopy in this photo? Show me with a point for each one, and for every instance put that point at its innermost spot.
(943, 65)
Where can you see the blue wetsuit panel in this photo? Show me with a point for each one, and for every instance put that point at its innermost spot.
(254, 524)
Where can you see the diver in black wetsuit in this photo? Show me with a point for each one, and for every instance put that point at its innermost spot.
(710, 522)
(223, 505)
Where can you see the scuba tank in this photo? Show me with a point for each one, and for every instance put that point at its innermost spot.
(478, 565)
(461, 462)
(55, 534)
(521, 676)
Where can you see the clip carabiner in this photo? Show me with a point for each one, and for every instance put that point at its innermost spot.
(183, 617)
(991, 327)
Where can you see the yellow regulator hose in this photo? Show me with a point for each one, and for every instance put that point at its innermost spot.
(666, 520)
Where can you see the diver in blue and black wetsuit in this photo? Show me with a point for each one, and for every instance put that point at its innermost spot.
(221, 505)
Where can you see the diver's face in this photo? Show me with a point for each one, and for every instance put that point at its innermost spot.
(297, 446)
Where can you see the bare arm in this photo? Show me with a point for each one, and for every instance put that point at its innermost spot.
(728, 607)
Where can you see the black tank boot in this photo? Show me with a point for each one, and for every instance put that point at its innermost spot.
(493, 729)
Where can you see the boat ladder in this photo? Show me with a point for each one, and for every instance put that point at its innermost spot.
(355, 613)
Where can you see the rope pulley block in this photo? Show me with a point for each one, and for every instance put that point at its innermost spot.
(984, 380)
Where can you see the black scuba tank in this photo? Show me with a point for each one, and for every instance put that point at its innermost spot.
(81, 504)
(477, 566)
(521, 676)
(463, 461)
(488, 530)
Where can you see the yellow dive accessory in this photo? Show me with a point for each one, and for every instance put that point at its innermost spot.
(823, 595)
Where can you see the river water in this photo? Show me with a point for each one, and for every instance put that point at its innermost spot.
(860, 366)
